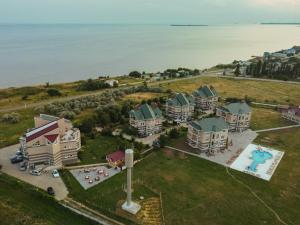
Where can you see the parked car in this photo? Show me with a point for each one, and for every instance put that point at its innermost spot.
(50, 191)
(19, 152)
(55, 173)
(23, 166)
(36, 172)
(16, 159)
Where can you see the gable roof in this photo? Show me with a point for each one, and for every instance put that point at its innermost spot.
(180, 100)
(214, 124)
(237, 108)
(37, 132)
(146, 112)
(51, 137)
(206, 92)
(116, 156)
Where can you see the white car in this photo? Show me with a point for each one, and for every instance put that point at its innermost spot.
(37, 172)
(55, 173)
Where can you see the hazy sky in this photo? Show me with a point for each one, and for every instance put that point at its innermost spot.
(149, 11)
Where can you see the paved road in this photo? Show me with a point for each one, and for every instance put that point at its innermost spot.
(278, 128)
(43, 181)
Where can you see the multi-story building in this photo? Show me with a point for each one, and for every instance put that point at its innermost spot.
(53, 141)
(206, 98)
(180, 108)
(208, 135)
(237, 115)
(146, 120)
(292, 114)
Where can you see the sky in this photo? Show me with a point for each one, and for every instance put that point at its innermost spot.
(149, 11)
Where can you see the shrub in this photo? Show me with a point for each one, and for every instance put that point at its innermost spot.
(11, 118)
(53, 92)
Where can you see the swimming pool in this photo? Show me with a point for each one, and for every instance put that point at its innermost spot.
(258, 157)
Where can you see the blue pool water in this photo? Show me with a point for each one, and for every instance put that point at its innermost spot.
(259, 157)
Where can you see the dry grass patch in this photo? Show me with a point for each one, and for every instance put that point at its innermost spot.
(260, 90)
(137, 97)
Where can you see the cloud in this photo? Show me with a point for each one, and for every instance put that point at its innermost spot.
(276, 3)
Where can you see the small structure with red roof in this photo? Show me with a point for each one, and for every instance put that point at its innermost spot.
(116, 159)
(292, 114)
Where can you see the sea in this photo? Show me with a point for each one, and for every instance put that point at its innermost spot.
(33, 54)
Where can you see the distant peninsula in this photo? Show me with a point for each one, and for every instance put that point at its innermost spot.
(280, 23)
(189, 25)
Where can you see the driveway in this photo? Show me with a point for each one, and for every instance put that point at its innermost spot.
(43, 181)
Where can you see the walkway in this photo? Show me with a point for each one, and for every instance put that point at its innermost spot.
(85, 211)
(277, 128)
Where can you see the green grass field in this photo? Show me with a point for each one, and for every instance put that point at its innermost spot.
(95, 150)
(267, 118)
(196, 190)
(261, 91)
(23, 204)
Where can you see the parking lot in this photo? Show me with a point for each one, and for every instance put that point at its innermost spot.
(91, 176)
(43, 181)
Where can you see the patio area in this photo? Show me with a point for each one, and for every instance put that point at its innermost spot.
(91, 176)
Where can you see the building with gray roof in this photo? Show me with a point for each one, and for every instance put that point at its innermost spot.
(206, 98)
(209, 135)
(180, 108)
(146, 119)
(237, 115)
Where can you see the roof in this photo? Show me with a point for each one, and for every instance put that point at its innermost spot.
(51, 137)
(294, 110)
(146, 112)
(48, 117)
(210, 124)
(206, 92)
(180, 100)
(116, 156)
(237, 108)
(33, 134)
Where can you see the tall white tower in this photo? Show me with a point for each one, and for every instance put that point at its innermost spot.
(129, 205)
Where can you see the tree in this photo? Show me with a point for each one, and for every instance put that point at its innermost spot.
(237, 71)
(174, 133)
(11, 118)
(86, 125)
(163, 140)
(135, 74)
(53, 92)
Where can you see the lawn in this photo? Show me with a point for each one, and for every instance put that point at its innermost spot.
(21, 203)
(261, 91)
(104, 197)
(95, 150)
(10, 133)
(267, 118)
(195, 189)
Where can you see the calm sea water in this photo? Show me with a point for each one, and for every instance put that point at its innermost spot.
(32, 54)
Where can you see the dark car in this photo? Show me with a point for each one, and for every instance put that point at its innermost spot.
(16, 159)
(50, 191)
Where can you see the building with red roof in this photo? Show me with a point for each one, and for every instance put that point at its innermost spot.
(53, 141)
(116, 159)
(292, 114)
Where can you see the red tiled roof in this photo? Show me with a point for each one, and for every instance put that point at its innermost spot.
(41, 131)
(116, 156)
(51, 137)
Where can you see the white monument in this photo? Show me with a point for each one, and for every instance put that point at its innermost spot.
(129, 205)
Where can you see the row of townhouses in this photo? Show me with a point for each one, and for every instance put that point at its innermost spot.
(53, 141)
(209, 135)
(148, 120)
